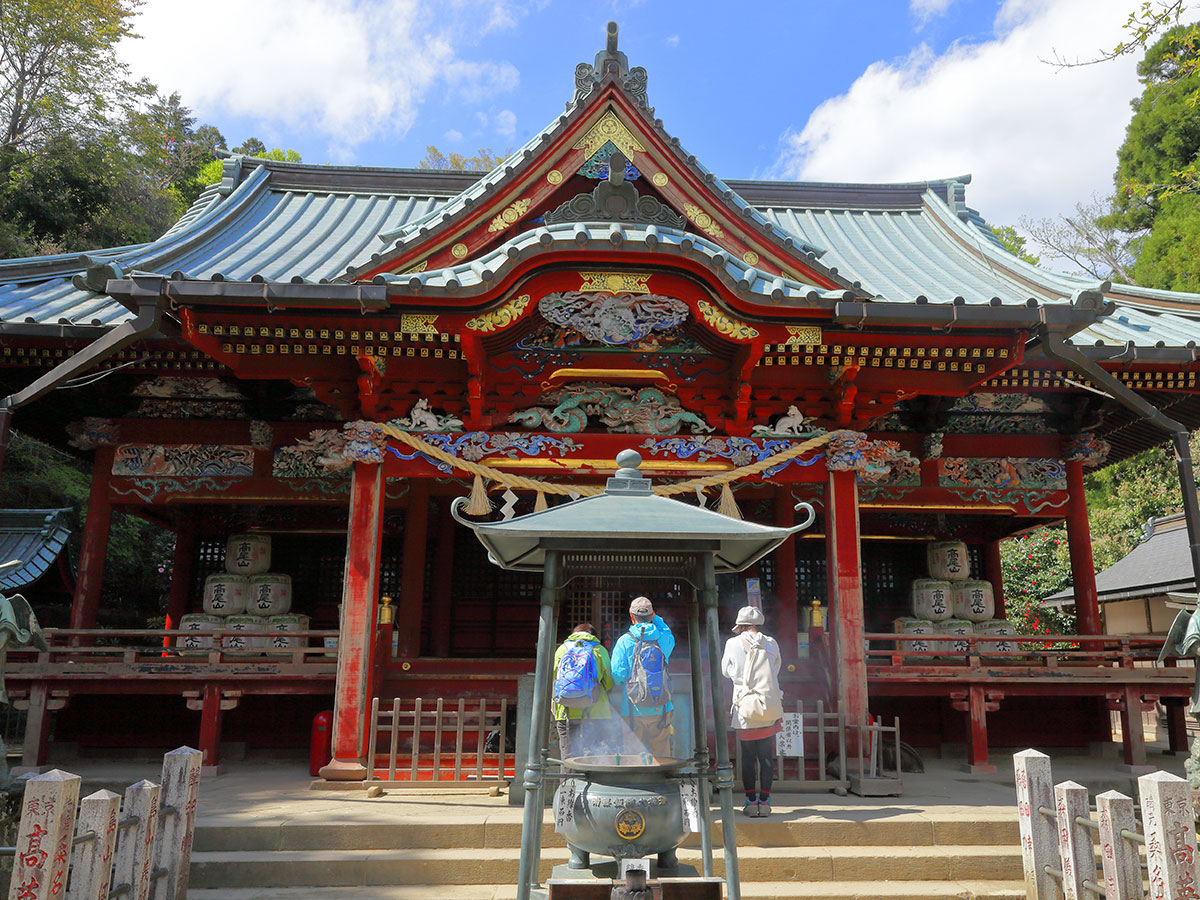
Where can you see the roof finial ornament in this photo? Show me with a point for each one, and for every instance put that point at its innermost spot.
(610, 63)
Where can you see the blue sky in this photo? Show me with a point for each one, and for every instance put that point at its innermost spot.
(875, 90)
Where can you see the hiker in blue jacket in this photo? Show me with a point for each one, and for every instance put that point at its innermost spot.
(639, 662)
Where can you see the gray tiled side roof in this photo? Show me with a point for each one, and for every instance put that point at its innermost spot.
(35, 537)
(283, 222)
(1160, 563)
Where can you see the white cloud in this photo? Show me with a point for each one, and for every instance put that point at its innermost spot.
(672, 40)
(506, 122)
(453, 135)
(342, 68)
(928, 9)
(1037, 138)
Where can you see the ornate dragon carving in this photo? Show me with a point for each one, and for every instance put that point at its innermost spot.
(621, 410)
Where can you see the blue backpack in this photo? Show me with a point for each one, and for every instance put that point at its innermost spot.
(648, 683)
(575, 681)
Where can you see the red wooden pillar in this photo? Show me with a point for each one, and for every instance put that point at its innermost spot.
(181, 572)
(95, 543)
(443, 584)
(786, 599)
(356, 638)
(210, 724)
(1079, 537)
(993, 571)
(412, 567)
(845, 594)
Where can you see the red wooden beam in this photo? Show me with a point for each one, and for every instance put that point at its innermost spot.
(1079, 537)
(846, 596)
(356, 642)
(95, 543)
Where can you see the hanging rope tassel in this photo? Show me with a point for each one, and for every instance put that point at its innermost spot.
(478, 504)
(540, 503)
(727, 506)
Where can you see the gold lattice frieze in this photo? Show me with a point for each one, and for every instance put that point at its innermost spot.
(419, 267)
(615, 282)
(609, 128)
(512, 212)
(725, 324)
(418, 323)
(501, 317)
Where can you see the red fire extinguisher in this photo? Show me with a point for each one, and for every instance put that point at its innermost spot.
(320, 750)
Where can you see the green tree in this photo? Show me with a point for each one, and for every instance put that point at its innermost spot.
(1159, 155)
(1169, 256)
(136, 565)
(484, 160)
(1014, 243)
(1035, 565)
(59, 69)
(252, 146)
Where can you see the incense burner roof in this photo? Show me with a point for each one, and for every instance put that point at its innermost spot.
(35, 537)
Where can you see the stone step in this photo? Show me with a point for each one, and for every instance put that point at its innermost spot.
(762, 890)
(822, 864)
(446, 833)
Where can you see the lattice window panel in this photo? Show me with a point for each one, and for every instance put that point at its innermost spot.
(493, 612)
(811, 573)
(209, 559)
(975, 560)
(600, 601)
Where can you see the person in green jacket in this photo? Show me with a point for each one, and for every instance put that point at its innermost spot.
(581, 728)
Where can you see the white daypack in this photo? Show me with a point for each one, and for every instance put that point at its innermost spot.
(757, 699)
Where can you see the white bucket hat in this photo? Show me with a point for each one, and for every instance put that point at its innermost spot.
(748, 615)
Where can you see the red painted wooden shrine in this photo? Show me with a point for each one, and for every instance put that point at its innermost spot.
(599, 290)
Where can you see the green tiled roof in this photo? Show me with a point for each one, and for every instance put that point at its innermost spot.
(35, 537)
(283, 222)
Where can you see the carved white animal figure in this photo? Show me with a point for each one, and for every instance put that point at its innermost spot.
(792, 423)
(421, 418)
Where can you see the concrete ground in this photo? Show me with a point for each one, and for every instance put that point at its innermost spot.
(263, 791)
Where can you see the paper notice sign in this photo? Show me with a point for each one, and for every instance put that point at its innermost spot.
(689, 794)
(564, 805)
(790, 740)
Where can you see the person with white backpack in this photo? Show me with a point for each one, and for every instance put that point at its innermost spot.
(751, 661)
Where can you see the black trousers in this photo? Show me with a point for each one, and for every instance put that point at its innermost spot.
(758, 755)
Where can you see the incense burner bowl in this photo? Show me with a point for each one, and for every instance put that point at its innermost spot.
(623, 808)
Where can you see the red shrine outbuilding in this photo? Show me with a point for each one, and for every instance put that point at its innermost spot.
(327, 356)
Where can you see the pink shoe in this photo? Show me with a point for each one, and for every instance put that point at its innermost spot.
(764, 808)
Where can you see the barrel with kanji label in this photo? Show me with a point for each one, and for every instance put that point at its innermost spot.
(948, 561)
(931, 599)
(972, 600)
(225, 595)
(269, 595)
(248, 554)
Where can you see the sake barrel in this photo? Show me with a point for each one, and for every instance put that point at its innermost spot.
(248, 554)
(235, 641)
(225, 595)
(931, 599)
(285, 628)
(269, 595)
(972, 600)
(999, 628)
(195, 631)
(948, 561)
(911, 625)
(955, 626)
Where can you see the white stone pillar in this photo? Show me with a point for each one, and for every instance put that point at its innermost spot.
(1039, 843)
(44, 837)
(1122, 864)
(1169, 825)
(1075, 846)
(180, 791)
(135, 849)
(91, 870)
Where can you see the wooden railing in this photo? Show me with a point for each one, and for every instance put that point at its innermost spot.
(1043, 650)
(433, 739)
(159, 645)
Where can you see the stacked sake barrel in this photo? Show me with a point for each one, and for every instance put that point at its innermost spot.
(951, 602)
(246, 597)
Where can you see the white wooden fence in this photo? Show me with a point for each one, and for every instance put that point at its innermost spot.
(1059, 839)
(100, 848)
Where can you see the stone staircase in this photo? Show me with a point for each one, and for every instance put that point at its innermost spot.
(883, 853)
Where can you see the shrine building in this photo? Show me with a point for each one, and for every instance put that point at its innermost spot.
(327, 356)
